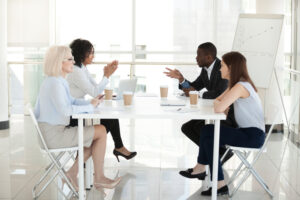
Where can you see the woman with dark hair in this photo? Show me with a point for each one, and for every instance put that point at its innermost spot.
(82, 83)
(248, 113)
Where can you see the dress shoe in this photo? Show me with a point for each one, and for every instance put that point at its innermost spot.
(112, 185)
(118, 153)
(188, 174)
(222, 191)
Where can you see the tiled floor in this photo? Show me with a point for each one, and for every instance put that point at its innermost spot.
(153, 174)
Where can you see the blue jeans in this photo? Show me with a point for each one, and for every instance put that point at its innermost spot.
(240, 137)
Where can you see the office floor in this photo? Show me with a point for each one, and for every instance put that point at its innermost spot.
(153, 174)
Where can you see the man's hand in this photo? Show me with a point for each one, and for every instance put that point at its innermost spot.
(187, 91)
(174, 74)
(110, 68)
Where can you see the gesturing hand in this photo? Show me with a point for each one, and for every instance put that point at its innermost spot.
(110, 68)
(174, 74)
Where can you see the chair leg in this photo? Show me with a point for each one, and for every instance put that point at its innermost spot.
(41, 179)
(55, 162)
(236, 172)
(62, 174)
(254, 173)
(261, 182)
(59, 156)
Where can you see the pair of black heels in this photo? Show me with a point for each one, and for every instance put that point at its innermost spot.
(117, 154)
(201, 176)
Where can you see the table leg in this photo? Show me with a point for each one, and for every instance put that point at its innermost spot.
(88, 173)
(80, 159)
(215, 159)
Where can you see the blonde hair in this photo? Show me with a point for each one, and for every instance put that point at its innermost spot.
(54, 58)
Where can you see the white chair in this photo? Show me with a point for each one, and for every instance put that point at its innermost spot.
(243, 153)
(59, 158)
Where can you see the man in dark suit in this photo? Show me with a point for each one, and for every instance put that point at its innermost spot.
(211, 85)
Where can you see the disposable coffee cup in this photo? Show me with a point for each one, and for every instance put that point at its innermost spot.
(193, 97)
(164, 91)
(108, 93)
(127, 98)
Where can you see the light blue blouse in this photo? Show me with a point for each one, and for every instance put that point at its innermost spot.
(55, 104)
(248, 112)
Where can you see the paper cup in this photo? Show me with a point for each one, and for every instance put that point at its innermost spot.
(193, 97)
(108, 93)
(164, 91)
(127, 98)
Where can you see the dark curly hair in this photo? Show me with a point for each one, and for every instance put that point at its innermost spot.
(80, 50)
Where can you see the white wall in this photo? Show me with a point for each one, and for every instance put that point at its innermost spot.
(28, 23)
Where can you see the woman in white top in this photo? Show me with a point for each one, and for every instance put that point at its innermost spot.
(53, 109)
(81, 83)
(248, 112)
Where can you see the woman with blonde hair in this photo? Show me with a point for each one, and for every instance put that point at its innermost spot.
(53, 109)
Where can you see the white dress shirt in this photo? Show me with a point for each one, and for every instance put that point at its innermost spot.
(209, 69)
(81, 83)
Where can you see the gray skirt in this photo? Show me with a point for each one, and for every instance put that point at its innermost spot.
(60, 136)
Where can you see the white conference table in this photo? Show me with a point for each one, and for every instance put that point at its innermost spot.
(150, 108)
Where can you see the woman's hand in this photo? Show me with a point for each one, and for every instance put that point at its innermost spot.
(95, 102)
(216, 104)
(110, 68)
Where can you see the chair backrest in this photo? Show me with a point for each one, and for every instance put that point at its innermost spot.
(42, 142)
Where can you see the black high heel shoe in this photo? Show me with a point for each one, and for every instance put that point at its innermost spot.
(117, 154)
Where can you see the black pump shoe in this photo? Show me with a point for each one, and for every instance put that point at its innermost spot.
(117, 154)
(188, 174)
(222, 191)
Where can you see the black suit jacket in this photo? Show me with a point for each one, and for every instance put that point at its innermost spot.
(215, 85)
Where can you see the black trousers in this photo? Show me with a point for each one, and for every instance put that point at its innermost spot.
(239, 137)
(192, 129)
(111, 125)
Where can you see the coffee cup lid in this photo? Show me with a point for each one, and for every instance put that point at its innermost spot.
(164, 86)
(194, 92)
(127, 93)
